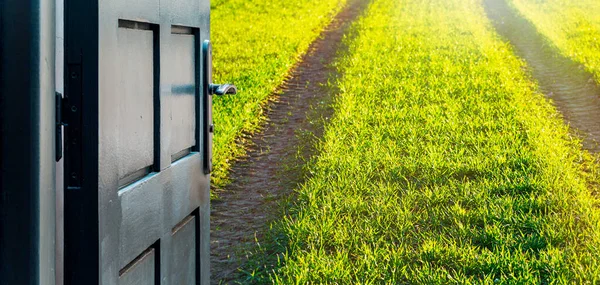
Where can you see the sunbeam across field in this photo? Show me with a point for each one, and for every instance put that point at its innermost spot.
(571, 26)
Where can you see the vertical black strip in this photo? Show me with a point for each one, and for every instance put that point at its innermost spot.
(73, 135)
(157, 265)
(207, 127)
(196, 215)
(157, 108)
(19, 112)
(198, 89)
(58, 126)
(81, 245)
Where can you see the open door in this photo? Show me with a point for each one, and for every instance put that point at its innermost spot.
(137, 110)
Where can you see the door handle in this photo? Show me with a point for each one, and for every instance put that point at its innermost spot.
(209, 89)
(222, 89)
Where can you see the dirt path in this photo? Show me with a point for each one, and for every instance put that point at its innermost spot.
(573, 90)
(274, 166)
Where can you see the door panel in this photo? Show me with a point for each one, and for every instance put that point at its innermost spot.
(184, 253)
(141, 214)
(144, 197)
(141, 271)
(133, 101)
(183, 90)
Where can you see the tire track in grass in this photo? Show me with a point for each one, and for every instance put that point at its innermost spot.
(573, 90)
(442, 164)
(274, 166)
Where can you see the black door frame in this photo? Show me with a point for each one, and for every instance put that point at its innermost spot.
(81, 245)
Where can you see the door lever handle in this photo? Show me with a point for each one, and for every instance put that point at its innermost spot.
(222, 89)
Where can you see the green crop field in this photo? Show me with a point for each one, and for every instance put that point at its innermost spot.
(256, 43)
(573, 26)
(443, 164)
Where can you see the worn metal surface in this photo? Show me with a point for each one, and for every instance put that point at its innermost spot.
(27, 158)
(137, 212)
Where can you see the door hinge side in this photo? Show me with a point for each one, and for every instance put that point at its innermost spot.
(72, 118)
(59, 126)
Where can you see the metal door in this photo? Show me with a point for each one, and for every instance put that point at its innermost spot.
(136, 142)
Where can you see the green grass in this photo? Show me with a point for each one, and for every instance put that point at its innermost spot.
(573, 26)
(443, 164)
(256, 44)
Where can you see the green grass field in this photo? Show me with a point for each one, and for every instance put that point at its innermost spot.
(256, 43)
(572, 26)
(442, 165)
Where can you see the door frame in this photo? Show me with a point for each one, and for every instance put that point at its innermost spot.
(27, 142)
(81, 219)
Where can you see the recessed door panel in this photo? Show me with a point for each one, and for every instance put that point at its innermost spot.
(135, 101)
(183, 91)
(184, 252)
(141, 271)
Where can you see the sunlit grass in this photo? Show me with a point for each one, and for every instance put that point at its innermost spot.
(442, 164)
(256, 43)
(573, 26)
